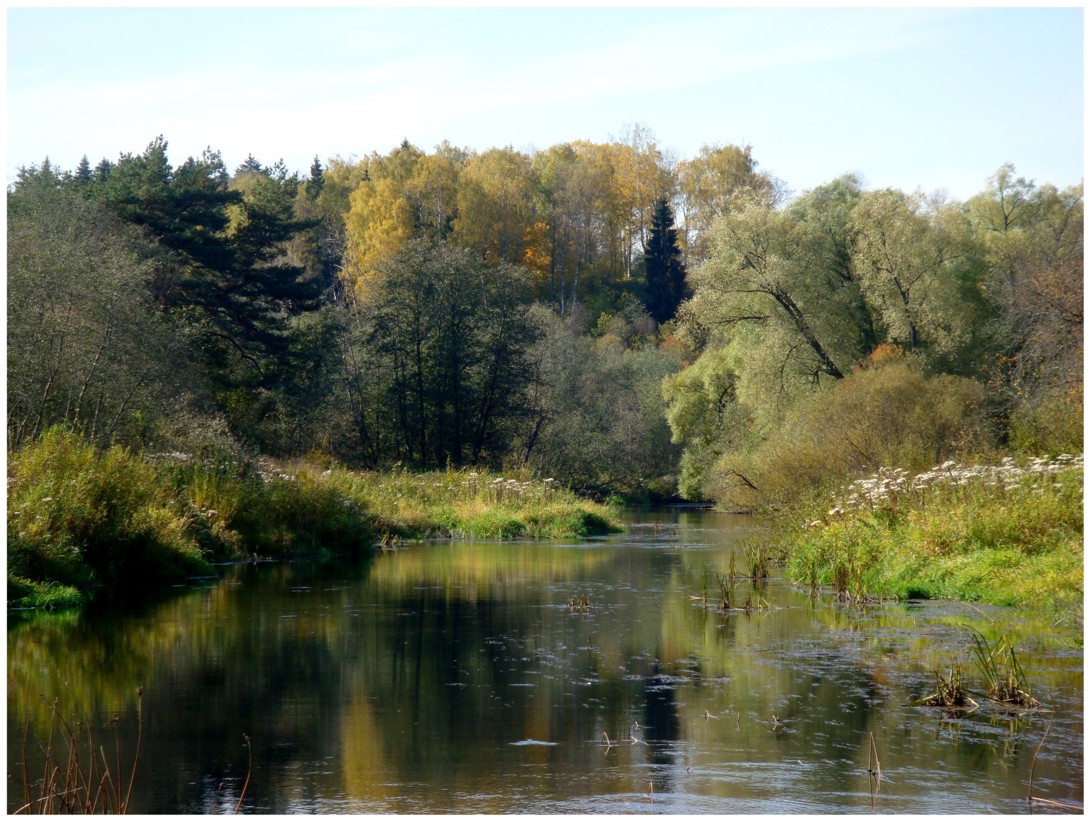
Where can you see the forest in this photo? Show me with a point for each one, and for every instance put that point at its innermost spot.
(602, 314)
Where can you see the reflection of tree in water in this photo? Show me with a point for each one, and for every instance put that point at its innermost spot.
(401, 685)
(660, 716)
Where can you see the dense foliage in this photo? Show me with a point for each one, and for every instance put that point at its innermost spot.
(601, 314)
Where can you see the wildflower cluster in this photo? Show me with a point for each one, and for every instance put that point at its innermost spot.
(269, 472)
(888, 485)
(500, 489)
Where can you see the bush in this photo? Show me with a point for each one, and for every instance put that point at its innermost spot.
(884, 415)
(1053, 426)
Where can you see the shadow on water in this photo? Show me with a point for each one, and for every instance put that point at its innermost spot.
(453, 677)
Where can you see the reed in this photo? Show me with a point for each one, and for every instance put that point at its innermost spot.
(950, 692)
(1003, 674)
(77, 777)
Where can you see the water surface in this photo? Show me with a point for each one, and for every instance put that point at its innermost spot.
(582, 677)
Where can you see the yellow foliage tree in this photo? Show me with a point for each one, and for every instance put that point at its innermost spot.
(378, 225)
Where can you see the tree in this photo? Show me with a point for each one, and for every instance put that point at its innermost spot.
(915, 266)
(639, 178)
(377, 227)
(220, 269)
(708, 186)
(595, 420)
(83, 173)
(315, 181)
(665, 272)
(765, 286)
(432, 192)
(85, 346)
(573, 190)
(1032, 241)
(495, 206)
(444, 345)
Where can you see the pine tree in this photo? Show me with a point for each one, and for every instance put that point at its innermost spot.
(664, 269)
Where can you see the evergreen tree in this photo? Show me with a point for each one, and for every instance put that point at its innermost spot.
(664, 269)
(230, 284)
(83, 171)
(316, 181)
(251, 164)
(103, 169)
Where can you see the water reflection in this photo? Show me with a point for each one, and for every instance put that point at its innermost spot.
(457, 678)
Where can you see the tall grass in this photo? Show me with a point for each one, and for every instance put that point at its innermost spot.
(473, 504)
(1005, 534)
(82, 520)
(85, 523)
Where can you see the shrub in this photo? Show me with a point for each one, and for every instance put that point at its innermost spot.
(886, 414)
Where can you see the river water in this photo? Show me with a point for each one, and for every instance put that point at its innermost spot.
(580, 677)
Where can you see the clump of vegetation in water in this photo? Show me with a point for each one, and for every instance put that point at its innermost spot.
(1008, 534)
(1003, 674)
(950, 692)
(76, 775)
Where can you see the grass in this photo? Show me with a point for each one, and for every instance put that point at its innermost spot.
(84, 523)
(1009, 534)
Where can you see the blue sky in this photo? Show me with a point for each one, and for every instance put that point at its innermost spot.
(930, 98)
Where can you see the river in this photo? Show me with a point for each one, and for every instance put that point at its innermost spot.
(558, 677)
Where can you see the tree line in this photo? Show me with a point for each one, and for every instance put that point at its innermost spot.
(600, 313)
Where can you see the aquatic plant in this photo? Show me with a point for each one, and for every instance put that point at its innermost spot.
(1003, 675)
(950, 692)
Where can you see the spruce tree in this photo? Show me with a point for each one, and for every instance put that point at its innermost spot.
(664, 269)
(83, 171)
(316, 181)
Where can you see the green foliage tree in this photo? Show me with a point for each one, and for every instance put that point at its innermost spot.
(596, 418)
(442, 355)
(916, 272)
(220, 270)
(85, 346)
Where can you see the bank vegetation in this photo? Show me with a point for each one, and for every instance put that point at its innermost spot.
(602, 315)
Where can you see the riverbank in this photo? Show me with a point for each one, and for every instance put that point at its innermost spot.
(1007, 534)
(84, 523)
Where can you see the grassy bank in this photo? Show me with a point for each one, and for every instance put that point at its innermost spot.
(85, 523)
(1009, 534)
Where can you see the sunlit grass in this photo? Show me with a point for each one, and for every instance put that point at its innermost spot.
(83, 522)
(1009, 534)
(473, 504)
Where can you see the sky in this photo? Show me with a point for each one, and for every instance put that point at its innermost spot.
(933, 98)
